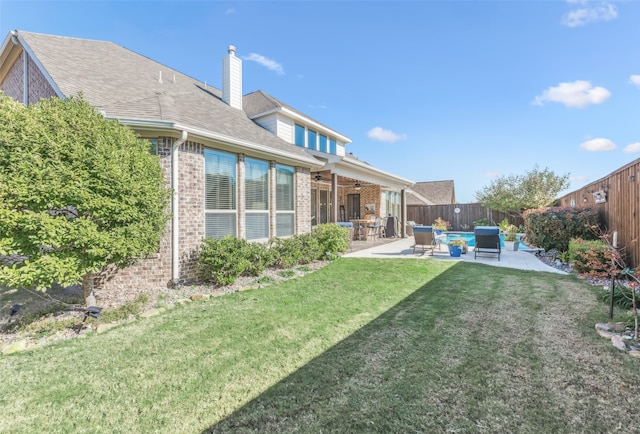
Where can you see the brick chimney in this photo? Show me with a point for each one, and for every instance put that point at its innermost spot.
(232, 79)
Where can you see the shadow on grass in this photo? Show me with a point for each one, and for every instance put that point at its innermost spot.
(385, 377)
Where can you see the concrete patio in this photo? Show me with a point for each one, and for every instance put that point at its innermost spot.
(400, 248)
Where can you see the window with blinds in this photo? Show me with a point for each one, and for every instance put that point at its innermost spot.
(285, 201)
(220, 194)
(256, 191)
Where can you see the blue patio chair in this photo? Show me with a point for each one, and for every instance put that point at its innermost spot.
(487, 240)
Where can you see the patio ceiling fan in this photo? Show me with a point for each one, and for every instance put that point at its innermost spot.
(319, 177)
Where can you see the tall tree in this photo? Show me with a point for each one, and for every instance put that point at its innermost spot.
(77, 192)
(515, 193)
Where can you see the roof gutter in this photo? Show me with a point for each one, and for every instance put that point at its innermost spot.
(175, 221)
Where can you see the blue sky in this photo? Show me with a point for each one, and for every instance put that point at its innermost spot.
(428, 90)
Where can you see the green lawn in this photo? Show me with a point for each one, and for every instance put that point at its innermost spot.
(362, 345)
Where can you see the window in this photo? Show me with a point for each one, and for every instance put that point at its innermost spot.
(256, 186)
(220, 194)
(285, 201)
(299, 138)
(323, 143)
(333, 147)
(314, 207)
(153, 150)
(353, 206)
(312, 140)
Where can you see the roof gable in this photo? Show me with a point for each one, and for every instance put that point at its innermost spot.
(432, 193)
(129, 86)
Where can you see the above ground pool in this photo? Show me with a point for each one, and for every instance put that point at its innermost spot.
(469, 236)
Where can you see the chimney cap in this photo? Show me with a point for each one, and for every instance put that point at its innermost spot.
(232, 49)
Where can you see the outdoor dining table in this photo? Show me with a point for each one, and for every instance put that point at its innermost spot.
(360, 228)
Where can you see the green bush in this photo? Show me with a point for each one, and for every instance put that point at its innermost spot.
(590, 256)
(553, 228)
(622, 296)
(512, 233)
(260, 258)
(222, 261)
(481, 222)
(333, 239)
(287, 252)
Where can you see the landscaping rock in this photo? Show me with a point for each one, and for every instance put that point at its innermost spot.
(197, 297)
(605, 330)
(15, 347)
(635, 353)
(618, 342)
(149, 313)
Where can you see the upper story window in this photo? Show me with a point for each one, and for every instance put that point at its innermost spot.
(333, 148)
(299, 139)
(312, 142)
(323, 143)
(311, 139)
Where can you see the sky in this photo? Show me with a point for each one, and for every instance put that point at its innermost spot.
(426, 90)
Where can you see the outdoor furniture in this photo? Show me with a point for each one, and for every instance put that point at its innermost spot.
(372, 227)
(424, 237)
(487, 240)
(391, 229)
(358, 228)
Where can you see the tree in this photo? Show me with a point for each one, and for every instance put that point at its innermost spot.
(515, 193)
(78, 192)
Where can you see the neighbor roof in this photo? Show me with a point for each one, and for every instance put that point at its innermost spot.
(431, 193)
(128, 86)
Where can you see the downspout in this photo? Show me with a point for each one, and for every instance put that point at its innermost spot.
(175, 222)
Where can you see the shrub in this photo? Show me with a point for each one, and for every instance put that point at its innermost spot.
(622, 296)
(222, 261)
(332, 239)
(512, 233)
(481, 222)
(504, 224)
(590, 256)
(287, 252)
(441, 224)
(260, 258)
(553, 228)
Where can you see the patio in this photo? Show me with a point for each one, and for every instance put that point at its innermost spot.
(400, 248)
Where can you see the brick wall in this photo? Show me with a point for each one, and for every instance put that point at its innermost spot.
(13, 84)
(303, 200)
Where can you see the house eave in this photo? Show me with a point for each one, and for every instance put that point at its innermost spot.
(174, 128)
(303, 119)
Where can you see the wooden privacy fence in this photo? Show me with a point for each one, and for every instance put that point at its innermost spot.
(616, 197)
(462, 221)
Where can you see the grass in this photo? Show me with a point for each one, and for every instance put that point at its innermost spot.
(362, 345)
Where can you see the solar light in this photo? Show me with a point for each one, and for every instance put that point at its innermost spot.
(93, 312)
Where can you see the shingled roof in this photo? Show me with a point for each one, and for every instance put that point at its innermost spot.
(431, 193)
(126, 85)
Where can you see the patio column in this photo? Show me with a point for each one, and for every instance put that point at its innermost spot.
(334, 197)
(403, 213)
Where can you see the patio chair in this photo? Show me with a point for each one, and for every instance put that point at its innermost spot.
(487, 240)
(424, 237)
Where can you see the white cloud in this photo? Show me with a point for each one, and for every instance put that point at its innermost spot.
(590, 14)
(580, 93)
(579, 178)
(230, 11)
(491, 174)
(383, 135)
(633, 148)
(271, 65)
(596, 145)
(635, 79)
